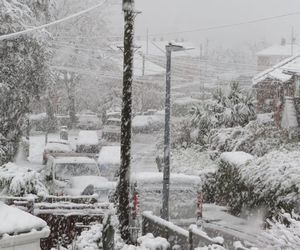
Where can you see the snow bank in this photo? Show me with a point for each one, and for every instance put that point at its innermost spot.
(149, 242)
(237, 158)
(110, 155)
(18, 181)
(15, 221)
(87, 137)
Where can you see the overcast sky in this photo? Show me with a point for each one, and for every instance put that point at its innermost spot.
(161, 16)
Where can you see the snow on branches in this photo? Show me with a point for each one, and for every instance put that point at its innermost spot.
(20, 181)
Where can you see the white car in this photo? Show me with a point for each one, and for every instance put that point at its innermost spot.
(75, 176)
(182, 199)
(109, 162)
(112, 129)
(87, 142)
(53, 147)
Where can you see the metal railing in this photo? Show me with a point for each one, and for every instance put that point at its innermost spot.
(176, 236)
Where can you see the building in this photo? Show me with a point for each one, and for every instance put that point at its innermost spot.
(20, 230)
(278, 87)
(276, 53)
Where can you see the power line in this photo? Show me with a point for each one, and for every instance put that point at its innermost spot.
(228, 25)
(208, 28)
(19, 33)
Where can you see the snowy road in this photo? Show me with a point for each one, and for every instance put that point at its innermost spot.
(143, 153)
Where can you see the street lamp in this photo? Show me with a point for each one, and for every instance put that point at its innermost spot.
(167, 145)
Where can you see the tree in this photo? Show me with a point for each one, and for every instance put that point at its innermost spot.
(23, 72)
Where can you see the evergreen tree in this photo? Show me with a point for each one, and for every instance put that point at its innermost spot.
(23, 72)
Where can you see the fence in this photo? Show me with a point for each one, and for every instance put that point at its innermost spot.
(176, 236)
(62, 215)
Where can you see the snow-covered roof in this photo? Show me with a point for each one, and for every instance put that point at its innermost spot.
(75, 160)
(237, 158)
(157, 178)
(283, 71)
(110, 155)
(289, 115)
(280, 50)
(16, 221)
(87, 137)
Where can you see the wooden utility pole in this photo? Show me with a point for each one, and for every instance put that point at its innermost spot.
(124, 181)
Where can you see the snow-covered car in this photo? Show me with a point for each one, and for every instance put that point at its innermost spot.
(112, 129)
(147, 123)
(53, 147)
(109, 162)
(88, 120)
(183, 193)
(87, 142)
(75, 176)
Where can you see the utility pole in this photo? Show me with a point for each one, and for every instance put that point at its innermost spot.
(292, 41)
(167, 137)
(147, 42)
(167, 143)
(124, 181)
(200, 72)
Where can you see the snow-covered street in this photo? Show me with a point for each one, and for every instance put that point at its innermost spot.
(149, 125)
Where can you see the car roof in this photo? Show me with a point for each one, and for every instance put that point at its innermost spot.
(157, 178)
(75, 160)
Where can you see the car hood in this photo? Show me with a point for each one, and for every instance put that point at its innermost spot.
(79, 183)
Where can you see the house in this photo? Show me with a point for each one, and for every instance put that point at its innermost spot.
(20, 230)
(277, 87)
(276, 53)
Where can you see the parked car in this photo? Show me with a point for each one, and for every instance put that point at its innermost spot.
(109, 162)
(88, 120)
(183, 194)
(75, 176)
(52, 147)
(112, 129)
(87, 142)
(147, 123)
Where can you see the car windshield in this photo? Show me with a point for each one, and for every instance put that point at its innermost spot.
(65, 170)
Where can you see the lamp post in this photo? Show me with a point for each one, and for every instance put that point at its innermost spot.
(167, 143)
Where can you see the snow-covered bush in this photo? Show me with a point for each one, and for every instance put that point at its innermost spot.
(149, 242)
(90, 239)
(192, 160)
(270, 182)
(284, 231)
(211, 247)
(19, 181)
(256, 138)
